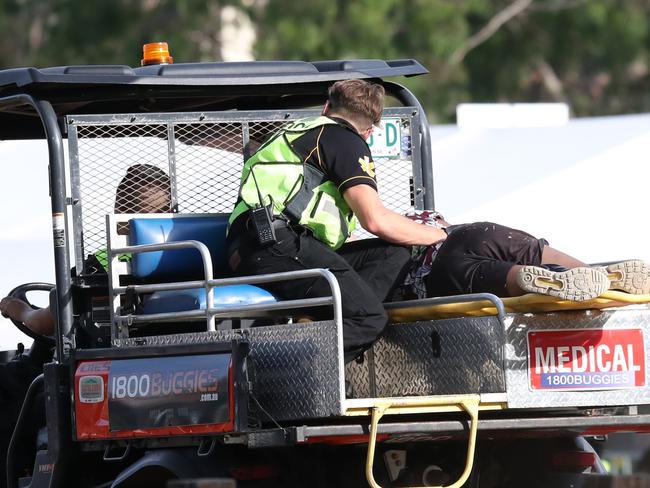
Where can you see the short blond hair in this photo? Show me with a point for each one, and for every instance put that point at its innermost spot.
(359, 100)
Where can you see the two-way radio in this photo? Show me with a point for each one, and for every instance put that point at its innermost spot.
(262, 220)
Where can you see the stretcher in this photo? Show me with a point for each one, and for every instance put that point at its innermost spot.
(529, 303)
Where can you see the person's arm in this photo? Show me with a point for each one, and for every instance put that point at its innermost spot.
(39, 320)
(386, 224)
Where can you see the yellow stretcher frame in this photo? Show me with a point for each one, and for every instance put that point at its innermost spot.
(378, 407)
(529, 303)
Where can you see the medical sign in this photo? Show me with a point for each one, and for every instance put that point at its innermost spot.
(586, 359)
(168, 391)
(386, 140)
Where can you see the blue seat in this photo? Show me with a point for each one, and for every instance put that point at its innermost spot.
(183, 264)
(194, 299)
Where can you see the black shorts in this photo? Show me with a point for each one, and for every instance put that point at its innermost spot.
(476, 258)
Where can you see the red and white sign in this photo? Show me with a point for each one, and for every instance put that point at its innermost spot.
(159, 396)
(586, 359)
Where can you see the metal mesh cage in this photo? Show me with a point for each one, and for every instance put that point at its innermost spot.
(191, 163)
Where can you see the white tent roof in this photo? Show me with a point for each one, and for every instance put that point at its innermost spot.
(584, 186)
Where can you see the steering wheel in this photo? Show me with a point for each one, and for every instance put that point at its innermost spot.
(20, 292)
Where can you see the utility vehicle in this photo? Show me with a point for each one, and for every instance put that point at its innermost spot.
(167, 368)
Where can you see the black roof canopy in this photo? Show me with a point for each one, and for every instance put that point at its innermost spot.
(95, 89)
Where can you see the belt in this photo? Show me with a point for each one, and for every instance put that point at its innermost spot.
(247, 237)
(280, 224)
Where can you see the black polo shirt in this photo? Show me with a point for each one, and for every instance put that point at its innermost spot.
(340, 152)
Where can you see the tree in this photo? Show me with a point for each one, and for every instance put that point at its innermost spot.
(593, 54)
(66, 32)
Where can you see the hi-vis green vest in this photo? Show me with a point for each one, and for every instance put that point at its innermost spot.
(299, 191)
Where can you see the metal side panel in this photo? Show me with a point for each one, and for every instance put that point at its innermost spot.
(294, 367)
(442, 357)
(521, 393)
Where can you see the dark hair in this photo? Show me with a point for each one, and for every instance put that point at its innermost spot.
(360, 100)
(140, 180)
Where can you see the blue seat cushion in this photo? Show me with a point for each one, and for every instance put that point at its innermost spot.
(210, 230)
(194, 299)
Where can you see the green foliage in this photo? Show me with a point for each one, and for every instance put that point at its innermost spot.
(594, 54)
(597, 51)
(66, 32)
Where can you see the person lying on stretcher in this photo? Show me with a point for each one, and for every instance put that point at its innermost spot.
(484, 257)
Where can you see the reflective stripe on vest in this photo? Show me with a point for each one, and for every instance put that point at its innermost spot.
(298, 191)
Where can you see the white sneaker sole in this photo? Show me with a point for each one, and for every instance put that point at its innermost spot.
(577, 284)
(630, 276)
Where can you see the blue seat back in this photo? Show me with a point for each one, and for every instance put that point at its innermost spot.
(187, 263)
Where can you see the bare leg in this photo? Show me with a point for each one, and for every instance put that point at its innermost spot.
(513, 289)
(553, 256)
(549, 256)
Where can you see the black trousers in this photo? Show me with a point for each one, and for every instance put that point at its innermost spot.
(476, 258)
(366, 270)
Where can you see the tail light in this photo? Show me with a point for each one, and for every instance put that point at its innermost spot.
(573, 460)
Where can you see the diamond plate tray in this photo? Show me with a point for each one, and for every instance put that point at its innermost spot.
(442, 357)
(295, 372)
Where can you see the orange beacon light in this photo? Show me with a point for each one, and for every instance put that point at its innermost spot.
(155, 53)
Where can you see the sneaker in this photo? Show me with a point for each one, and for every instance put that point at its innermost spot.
(577, 284)
(630, 276)
(303, 319)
